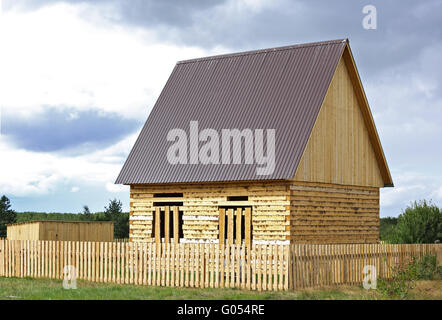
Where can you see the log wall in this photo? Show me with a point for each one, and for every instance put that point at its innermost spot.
(201, 202)
(327, 213)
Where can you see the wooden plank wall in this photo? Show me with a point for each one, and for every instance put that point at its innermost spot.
(270, 209)
(326, 213)
(24, 231)
(259, 267)
(62, 230)
(339, 149)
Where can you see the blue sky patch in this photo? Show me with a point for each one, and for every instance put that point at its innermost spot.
(57, 130)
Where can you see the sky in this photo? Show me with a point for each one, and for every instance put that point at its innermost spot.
(79, 78)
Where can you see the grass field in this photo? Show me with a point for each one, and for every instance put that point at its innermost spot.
(30, 289)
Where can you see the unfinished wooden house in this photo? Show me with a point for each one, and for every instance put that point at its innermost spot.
(329, 164)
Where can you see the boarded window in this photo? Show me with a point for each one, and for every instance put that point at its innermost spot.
(167, 224)
(167, 195)
(237, 198)
(167, 204)
(235, 225)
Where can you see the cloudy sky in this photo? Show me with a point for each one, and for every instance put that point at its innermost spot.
(79, 78)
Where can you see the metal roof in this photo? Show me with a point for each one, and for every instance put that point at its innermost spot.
(279, 88)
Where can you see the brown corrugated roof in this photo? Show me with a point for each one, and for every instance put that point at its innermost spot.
(279, 88)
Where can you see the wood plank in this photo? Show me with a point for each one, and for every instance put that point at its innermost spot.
(157, 226)
(127, 262)
(248, 226)
(238, 226)
(118, 266)
(162, 263)
(242, 276)
(154, 263)
(253, 266)
(230, 230)
(222, 260)
(166, 224)
(232, 265)
(176, 224)
(259, 267)
(183, 266)
(150, 261)
(167, 263)
(197, 266)
(186, 265)
(217, 265)
(222, 218)
(265, 258)
(238, 267)
(227, 266)
(248, 249)
(206, 265)
(192, 266)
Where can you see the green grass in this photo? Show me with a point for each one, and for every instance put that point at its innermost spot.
(39, 289)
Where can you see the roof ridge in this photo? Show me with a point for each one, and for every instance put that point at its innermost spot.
(259, 51)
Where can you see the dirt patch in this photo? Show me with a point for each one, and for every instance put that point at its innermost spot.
(431, 289)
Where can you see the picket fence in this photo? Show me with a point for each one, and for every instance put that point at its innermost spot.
(256, 267)
(121, 240)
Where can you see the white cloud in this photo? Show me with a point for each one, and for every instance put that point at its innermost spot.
(111, 187)
(68, 56)
(53, 56)
(251, 5)
(437, 194)
(409, 187)
(26, 173)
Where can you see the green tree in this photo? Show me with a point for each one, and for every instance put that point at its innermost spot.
(122, 226)
(421, 222)
(114, 213)
(7, 215)
(387, 228)
(87, 215)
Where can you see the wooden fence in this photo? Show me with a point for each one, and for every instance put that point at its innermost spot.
(323, 265)
(257, 267)
(121, 240)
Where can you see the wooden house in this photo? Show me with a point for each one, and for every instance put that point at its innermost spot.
(62, 230)
(329, 163)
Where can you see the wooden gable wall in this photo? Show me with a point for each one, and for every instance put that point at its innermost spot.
(339, 150)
